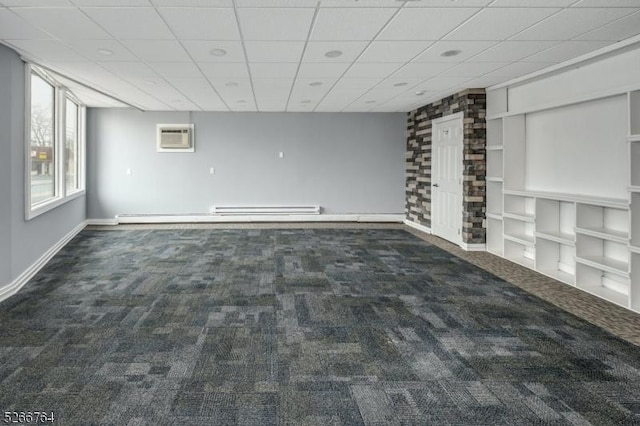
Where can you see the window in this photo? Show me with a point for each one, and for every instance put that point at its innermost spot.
(43, 152)
(55, 144)
(71, 147)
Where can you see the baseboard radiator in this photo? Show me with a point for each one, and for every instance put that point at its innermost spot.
(264, 210)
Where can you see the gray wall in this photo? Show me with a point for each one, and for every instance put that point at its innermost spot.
(6, 130)
(22, 242)
(347, 163)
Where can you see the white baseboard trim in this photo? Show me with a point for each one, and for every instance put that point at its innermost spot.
(15, 286)
(102, 222)
(204, 218)
(473, 247)
(417, 226)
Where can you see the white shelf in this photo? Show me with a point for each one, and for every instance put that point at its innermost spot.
(523, 239)
(618, 203)
(634, 138)
(495, 147)
(614, 266)
(524, 217)
(634, 188)
(606, 234)
(495, 216)
(494, 179)
(598, 282)
(557, 237)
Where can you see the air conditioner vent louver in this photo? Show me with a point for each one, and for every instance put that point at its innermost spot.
(175, 138)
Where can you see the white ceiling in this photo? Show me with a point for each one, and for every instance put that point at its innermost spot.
(156, 54)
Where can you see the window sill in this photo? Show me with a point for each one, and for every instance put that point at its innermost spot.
(33, 212)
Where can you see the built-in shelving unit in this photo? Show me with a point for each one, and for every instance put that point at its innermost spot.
(590, 242)
(634, 200)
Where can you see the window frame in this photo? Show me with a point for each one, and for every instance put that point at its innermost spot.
(62, 195)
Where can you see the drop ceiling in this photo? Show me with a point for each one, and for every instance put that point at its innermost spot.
(303, 55)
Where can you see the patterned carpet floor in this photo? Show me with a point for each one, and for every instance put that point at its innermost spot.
(299, 327)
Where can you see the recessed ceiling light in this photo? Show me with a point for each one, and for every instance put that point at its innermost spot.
(231, 84)
(105, 52)
(420, 93)
(316, 84)
(370, 102)
(450, 53)
(217, 52)
(333, 53)
(400, 84)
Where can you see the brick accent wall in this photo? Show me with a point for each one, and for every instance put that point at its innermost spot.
(472, 102)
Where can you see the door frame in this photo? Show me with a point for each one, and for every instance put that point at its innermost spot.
(435, 122)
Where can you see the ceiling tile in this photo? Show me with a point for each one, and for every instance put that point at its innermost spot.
(202, 23)
(199, 91)
(422, 70)
(87, 72)
(512, 51)
(398, 85)
(606, 3)
(201, 51)
(322, 69)
(225, 71)
(47, 50)
(157, 50)
(275, 24)
(425, 23)
(276, 3)
(37, 3)
(572, 22)
(499, 23)
(193, 3)
(124, 22)
(338, 24)
(567, 50)
(393, 51)
(518, 69)
(316, 50)
(474, 69)
(64, 23)
(274, 51)
(361, 84)
(371, 70)
(440, 84)
(177, 69)
(111, 3)
(621, 29)
(266, 70)
(16, 28)
(449, 3)
(129, 69)
(532, 3)
(467, 49)
(361, 3)
(92, 48)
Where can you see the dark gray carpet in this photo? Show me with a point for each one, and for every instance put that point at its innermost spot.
(261, 327)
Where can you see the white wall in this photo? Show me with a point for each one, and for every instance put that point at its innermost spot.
(23, 242)
(345, 162)
(579, 149)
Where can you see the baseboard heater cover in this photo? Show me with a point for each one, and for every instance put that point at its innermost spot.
(264, 210)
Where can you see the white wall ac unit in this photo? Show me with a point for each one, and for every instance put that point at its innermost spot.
(175, 138)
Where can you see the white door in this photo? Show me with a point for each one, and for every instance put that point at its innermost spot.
(446, 179)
